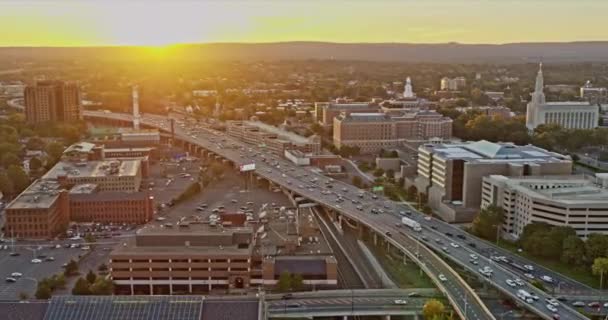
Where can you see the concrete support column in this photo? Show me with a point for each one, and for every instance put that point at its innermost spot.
(416, 317)
(344, 317)
(387, 317)
(404, 258)
(151, 289)
(132, 290)
(375, 239)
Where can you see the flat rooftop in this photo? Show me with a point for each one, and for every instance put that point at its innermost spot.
(485, 151)
(571, 189)
(39, 195)
(94, 169)
(352, 105)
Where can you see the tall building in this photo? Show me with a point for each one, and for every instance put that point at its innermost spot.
(374, 131)
(53, 101)
(326, 112)
(577, 201)
(453, 84)
(451, 174)
(569, 114)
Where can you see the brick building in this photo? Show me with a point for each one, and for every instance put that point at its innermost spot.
(52, 101)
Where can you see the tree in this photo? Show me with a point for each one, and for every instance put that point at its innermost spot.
(412, 193)
(596, 246)
(35, 143)
(487, 222)
(59, 280)
(284, 283)
(35, 164)
(390, 173)
(55, 151)
(23, 295)
(102, 268)
(91, 277)
(573, 250)
(81, 287)
(43, 292)
(378, 172)
(433, 309)
(297, 281)
(357, 182)
(10, 159)
(89, 238)
(18, 177)
(6, 185)
(71, 268)
(600, 267)
(102, 286)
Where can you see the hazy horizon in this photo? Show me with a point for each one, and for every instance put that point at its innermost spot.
(68, 23)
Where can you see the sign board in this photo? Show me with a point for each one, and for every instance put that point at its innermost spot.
(378, 189)
(247, 167)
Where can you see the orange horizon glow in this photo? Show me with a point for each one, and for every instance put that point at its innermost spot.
(158, 24)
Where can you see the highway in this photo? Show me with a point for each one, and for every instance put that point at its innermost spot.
(347, 302)
(344, 198)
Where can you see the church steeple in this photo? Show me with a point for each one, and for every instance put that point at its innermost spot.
(539, 96)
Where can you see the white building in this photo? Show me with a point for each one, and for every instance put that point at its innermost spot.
(580, 202)
(570, 115)
(408, 92)
(453, 84)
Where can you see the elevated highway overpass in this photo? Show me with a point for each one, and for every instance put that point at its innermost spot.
(384, 228)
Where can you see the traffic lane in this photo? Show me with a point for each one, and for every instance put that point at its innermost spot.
(371, 301)
(499, 279)
(483, 246)
(472, 310)
(450, 285)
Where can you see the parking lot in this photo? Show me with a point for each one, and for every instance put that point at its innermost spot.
(31, 272)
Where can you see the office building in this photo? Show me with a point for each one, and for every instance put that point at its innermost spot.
(325, 112)
(576, 201)
(569, 115)
(595, 95)
(40, 212)
(108, 175)
(451, 174)
(374, 131)
(84, 187)
(200, 258)
(88, 204)
(52, 101)
(453, 84)
(272, 138)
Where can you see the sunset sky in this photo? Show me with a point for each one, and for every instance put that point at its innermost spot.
(155, 22)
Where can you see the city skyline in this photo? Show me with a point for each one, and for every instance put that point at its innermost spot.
(74, 23)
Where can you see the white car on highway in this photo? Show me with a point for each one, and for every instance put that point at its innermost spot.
(36, 261)
(442, 277)
(16, 274)
(400, 301)
(510, 282)
(551, 308)
(454, 245)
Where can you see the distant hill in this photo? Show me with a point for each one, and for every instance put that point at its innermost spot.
(396, 52)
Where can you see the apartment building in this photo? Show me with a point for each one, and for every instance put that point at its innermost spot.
(374, 131)
(577, 201)
(52, 101)
(199, 258)
(451, 174)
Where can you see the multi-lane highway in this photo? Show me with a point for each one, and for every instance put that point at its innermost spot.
(347, 302)
(344, 198)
